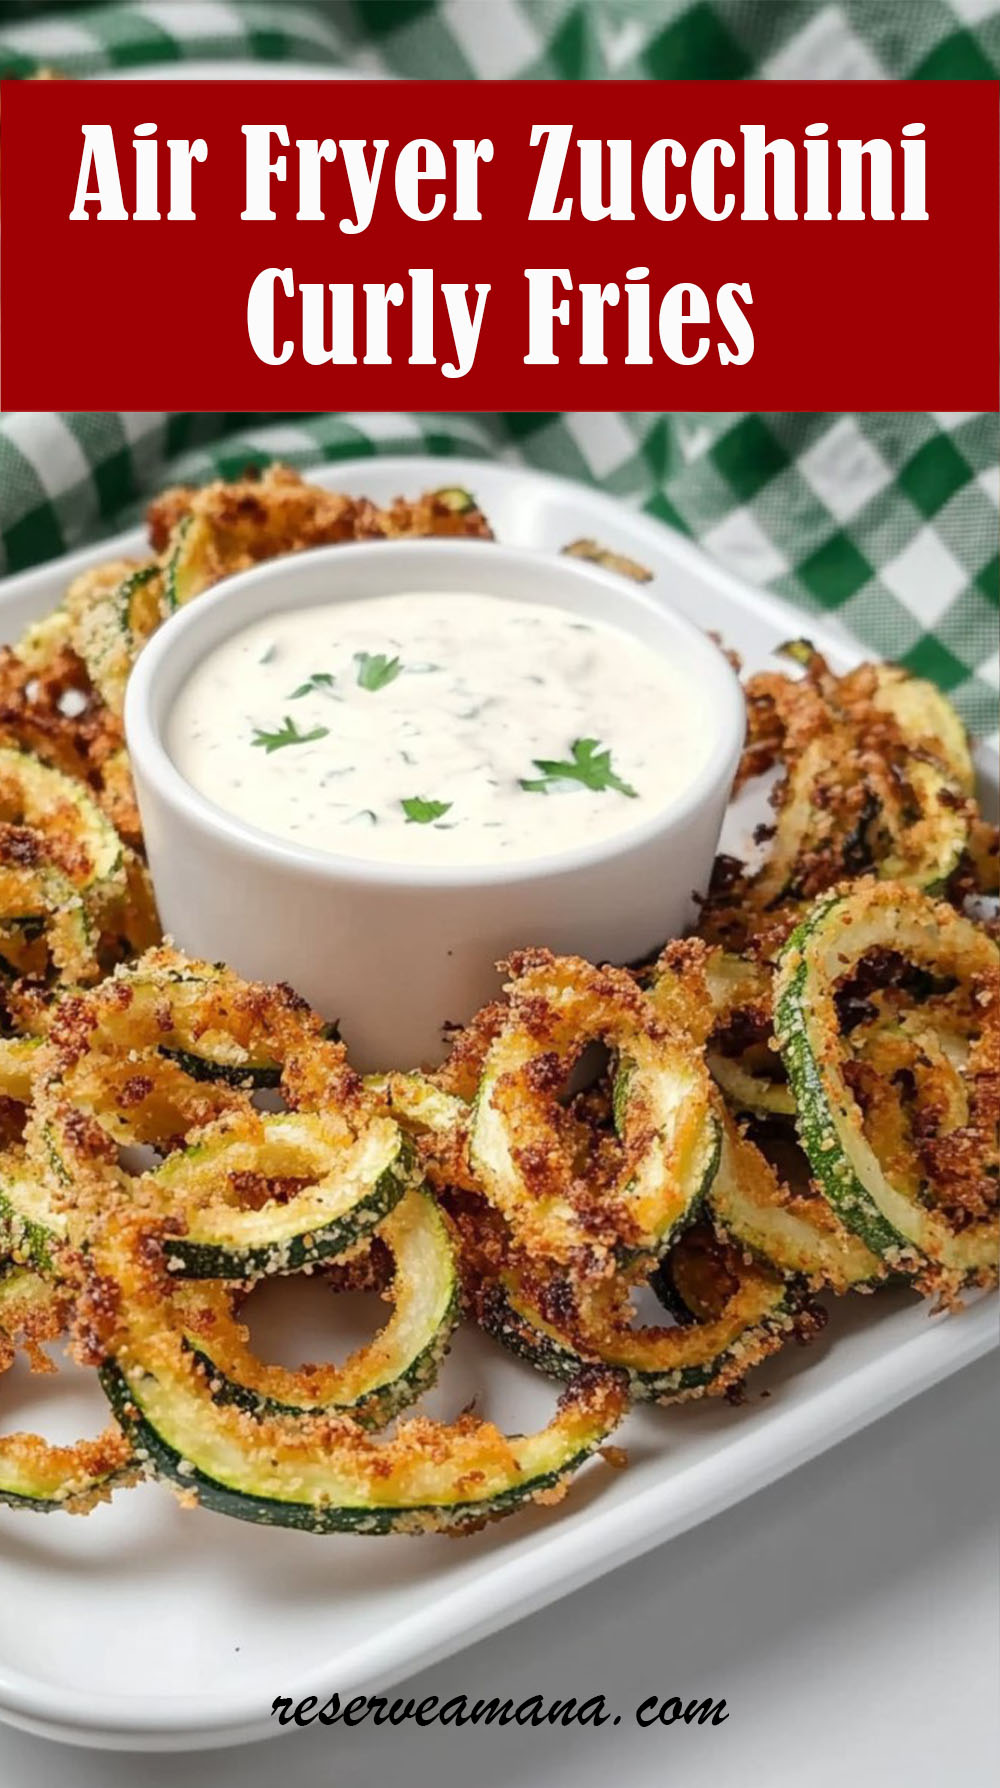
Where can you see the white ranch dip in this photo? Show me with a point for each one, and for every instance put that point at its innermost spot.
(424, 728)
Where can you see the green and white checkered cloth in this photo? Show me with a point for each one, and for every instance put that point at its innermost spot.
(888, 521)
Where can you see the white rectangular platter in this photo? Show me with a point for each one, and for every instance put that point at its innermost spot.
(150, 1627)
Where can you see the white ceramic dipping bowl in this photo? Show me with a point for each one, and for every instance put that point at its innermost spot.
(395, 951)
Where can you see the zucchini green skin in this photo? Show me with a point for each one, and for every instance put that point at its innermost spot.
(744, 1091)
(255, 1076)
(426, 1275)
(924, 862)
(817, 1127)
(595, 554)
(42, 787)
(285, 1240)
(113, 652)
(375, 1409)
(746, 1208)
(50, 1480)
(934, 789)
(171, 1452)
(909, 1237)
(30, 1242)
(456, 498)
(772, 1318)
(57, 913)
(20, 1285)
(699, 1185)
(418, 1105)
(730, 983)
(701, 1170)
(76, 1496)
(25, 1500)
(927, 719)
(127, 592)
(187, 989)
(182, 578)
(130, 1017)
(665, 1289)
(436, 1121)
(667, 1081)
(29, 1226)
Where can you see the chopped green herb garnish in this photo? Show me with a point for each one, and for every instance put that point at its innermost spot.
(420, 813)
(375, 670)
(590, 766)
(318, 680)
(286, 734)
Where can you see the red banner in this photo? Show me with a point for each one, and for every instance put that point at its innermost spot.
(499, 245)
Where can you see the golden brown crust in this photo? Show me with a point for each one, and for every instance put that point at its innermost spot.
(277, 511)
(102, 1079)
(73, 1477)
(854, 796)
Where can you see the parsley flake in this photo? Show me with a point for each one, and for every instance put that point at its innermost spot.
(318, 680)
(286, 734)
(421, 813)
(375, 670)
(590, 766)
